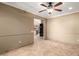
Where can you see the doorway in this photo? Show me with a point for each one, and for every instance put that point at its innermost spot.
(38, 29)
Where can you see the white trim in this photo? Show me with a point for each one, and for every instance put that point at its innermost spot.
(63, 14)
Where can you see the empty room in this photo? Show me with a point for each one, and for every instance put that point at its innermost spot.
(39, 28)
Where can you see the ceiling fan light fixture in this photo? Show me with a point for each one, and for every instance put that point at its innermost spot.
(50, 10)
(63, 3)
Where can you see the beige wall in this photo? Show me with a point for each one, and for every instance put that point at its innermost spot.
(64, 29)
(16, 28)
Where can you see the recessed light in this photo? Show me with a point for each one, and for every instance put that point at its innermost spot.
(70, 8)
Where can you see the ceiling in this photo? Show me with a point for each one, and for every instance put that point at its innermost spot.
(34, 7)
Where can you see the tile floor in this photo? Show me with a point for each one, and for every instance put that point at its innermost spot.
(45, 48)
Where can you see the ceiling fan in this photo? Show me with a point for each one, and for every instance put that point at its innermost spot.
(51, 6)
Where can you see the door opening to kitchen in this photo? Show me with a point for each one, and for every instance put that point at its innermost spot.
(38, 29)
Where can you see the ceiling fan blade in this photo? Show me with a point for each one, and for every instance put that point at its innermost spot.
(43, 5)
(58, 10)
(42, 10)
(59, 3)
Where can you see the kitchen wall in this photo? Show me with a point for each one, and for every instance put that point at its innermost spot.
(64, 28)
(16, 28)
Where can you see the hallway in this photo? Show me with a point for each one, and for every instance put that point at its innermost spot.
(45, 48)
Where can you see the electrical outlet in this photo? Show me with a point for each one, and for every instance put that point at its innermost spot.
(20, 41)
